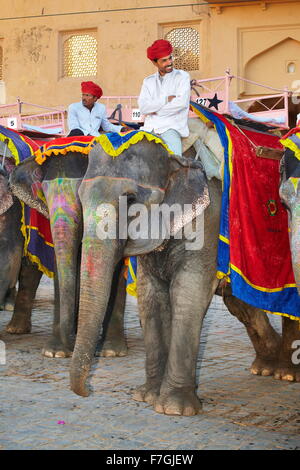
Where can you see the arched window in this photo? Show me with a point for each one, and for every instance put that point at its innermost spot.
(291, 67)
(1, 63)
(186, 46)
(80, 56)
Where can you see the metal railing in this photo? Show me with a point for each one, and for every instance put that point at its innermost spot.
(211, 92)
(23, 116)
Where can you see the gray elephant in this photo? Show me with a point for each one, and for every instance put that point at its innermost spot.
(60, 179)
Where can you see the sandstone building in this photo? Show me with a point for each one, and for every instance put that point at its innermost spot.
(48, 47)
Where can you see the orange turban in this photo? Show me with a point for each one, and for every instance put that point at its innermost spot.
(92, 89)
(160, 48)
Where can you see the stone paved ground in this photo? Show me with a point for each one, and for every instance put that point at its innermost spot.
(240, 411)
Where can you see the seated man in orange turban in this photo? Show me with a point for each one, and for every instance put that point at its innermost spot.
(165, 97)
(87, 116)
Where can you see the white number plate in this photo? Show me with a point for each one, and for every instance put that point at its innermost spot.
(135, 114)
(12, 122)
(202, 101)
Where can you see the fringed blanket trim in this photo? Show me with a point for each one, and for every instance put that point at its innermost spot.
(291, 317)
(290, 144)
(36, 260)
(130, 275)
(114, 143)
(20, 146)
(64, 145)
(295, 183)
(37, 248)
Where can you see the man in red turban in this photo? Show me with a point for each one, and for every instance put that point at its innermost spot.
(165, 97)
(87, 116)
(92, 89)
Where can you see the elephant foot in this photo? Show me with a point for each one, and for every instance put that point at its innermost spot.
(178, 402)
(290, 373)
(18, 327)
(55, 348)
(264, 367)
(9, 306)
(147, 392)
(113, 348)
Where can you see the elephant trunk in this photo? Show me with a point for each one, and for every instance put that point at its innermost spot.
(66, 228)
(98, 261)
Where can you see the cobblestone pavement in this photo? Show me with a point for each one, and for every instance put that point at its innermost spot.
(240, 411)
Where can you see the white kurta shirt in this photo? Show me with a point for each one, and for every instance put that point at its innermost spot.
(153, 99)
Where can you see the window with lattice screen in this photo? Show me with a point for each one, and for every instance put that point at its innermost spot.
(186, 47)
(80, 56)
(1, 63)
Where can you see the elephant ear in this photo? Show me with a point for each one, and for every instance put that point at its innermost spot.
(187, 192)
(26, 183)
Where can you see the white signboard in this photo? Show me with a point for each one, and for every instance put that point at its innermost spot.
(203, 101)
(135, 114)
(12, 122)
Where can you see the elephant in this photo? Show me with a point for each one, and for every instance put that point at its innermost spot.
(61, 178)
(175, 285)
(14, 266)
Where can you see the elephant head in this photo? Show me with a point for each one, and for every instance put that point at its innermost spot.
(290, 195)
(146, 177)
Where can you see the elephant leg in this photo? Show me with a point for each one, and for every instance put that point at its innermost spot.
(191, 293)
(114, 344)
(289, 367)
(266, 341)
(155, 316)
(29, 279)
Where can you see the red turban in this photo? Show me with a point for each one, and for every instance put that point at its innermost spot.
(92, 89)
(160, 48)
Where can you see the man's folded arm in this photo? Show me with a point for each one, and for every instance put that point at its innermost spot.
(180, 102)
(147, 104)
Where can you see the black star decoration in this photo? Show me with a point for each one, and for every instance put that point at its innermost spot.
(214, 102)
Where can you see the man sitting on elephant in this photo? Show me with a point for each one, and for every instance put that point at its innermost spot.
(87, 116)
(165, 96)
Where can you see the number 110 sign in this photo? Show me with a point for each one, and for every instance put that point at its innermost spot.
(135, 114)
